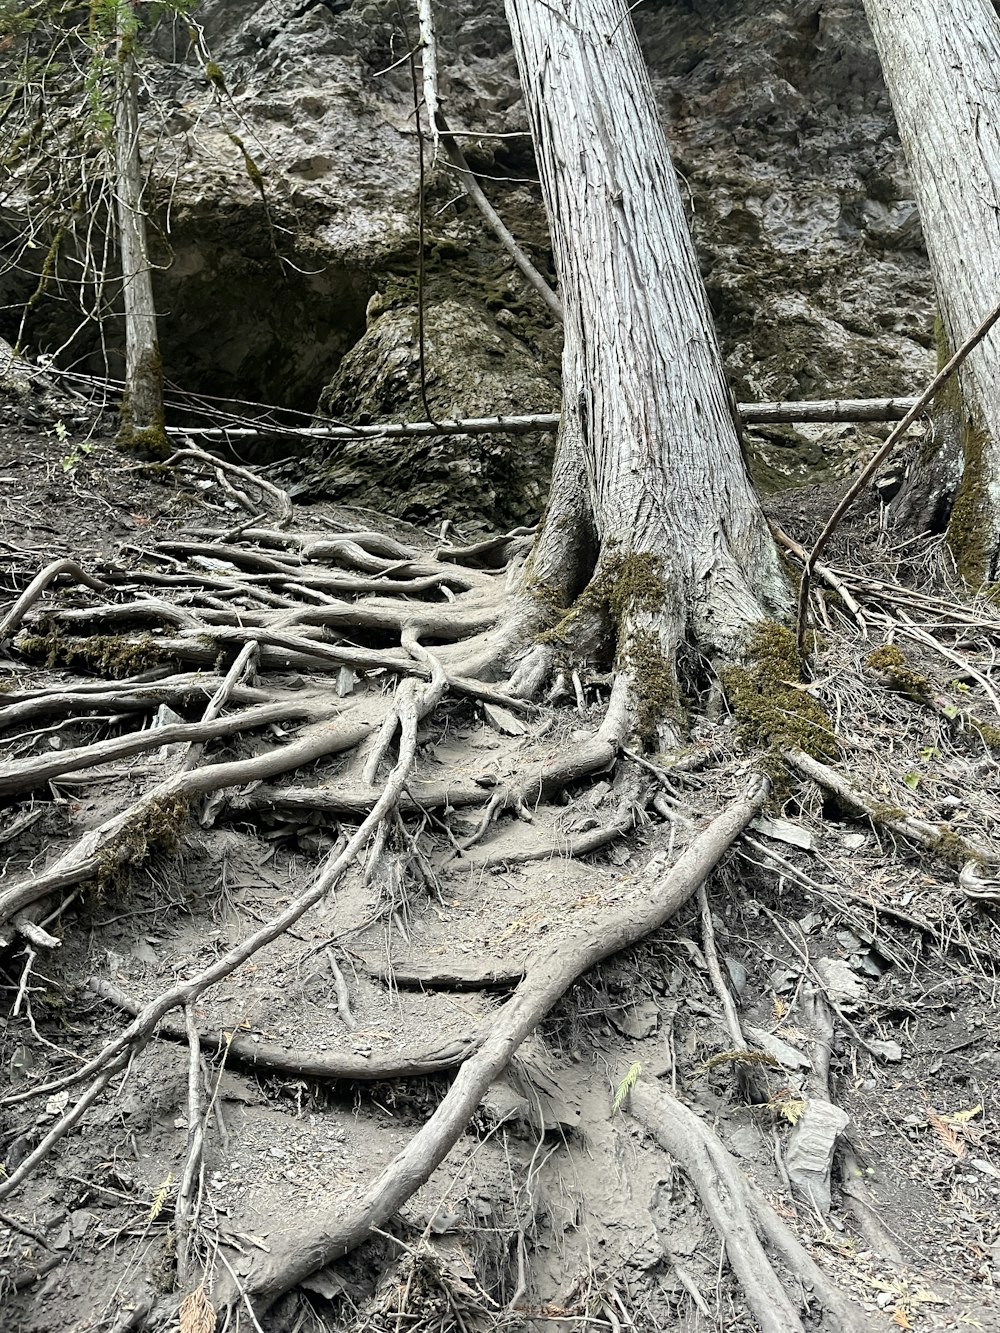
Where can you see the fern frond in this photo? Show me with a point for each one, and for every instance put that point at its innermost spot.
(626, 1086)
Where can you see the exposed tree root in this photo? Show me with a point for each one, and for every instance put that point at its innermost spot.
(416, 702)
(270, 1058)
(287, 603)
(113, 842)
(939, 839)
(740, 1215)
(571, 952)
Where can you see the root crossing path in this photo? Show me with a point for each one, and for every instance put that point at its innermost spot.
(353, 981)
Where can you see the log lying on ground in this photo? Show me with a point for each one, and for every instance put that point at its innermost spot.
(568, 953)
(833, 409)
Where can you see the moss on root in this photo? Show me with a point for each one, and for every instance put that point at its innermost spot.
(889, 661)
(155, 828)
(767, 700)
(113, 655)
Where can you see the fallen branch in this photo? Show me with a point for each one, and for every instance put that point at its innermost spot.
(753, 414)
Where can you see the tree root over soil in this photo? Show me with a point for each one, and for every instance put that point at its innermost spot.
(357, 658)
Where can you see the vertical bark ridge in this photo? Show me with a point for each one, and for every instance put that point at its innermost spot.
(940, 63)
(646, 408)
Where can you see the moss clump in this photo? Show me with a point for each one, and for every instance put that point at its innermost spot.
(113, 655)
(155, 828)
(767, 702)
(891, 662)
(149, 441)
(655, 681)
(215, 76)
(989, 734)
(953, 848)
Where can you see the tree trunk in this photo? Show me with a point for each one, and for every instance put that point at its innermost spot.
(651, 501)
(142, 405)
(940, 63)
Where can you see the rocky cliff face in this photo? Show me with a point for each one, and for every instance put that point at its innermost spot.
(288, 228)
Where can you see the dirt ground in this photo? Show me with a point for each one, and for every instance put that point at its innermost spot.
(556, 1208)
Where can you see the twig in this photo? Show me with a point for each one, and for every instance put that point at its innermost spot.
(188, 1199)
(281, 498)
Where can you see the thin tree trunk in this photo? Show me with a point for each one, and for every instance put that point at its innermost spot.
(651, 500)
(142, 406)
(940, 63)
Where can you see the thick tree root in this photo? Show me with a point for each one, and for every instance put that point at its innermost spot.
(114, 842)
(739, 1214)
(566, 956)
(939, 839)
(412, 707)
(269, 1058)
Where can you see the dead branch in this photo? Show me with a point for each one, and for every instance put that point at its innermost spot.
(280, 498)
(865, 476)
(753, 414)
(566, 956)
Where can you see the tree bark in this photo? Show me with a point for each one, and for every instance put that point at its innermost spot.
(651, 501)
(939, 63)
(142, 406)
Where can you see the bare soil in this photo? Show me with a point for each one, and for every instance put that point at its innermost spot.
(554, 1209)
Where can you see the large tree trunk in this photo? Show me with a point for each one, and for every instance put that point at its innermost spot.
(142, 405)
(940, 63)
(651, 501)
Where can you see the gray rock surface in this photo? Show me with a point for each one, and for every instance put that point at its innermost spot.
(285, 205)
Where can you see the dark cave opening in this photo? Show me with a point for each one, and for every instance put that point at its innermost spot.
(247, 314)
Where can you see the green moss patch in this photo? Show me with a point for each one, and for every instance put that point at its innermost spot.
(113, 655)
(889, 661)
(767, 701)
(155, 828)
